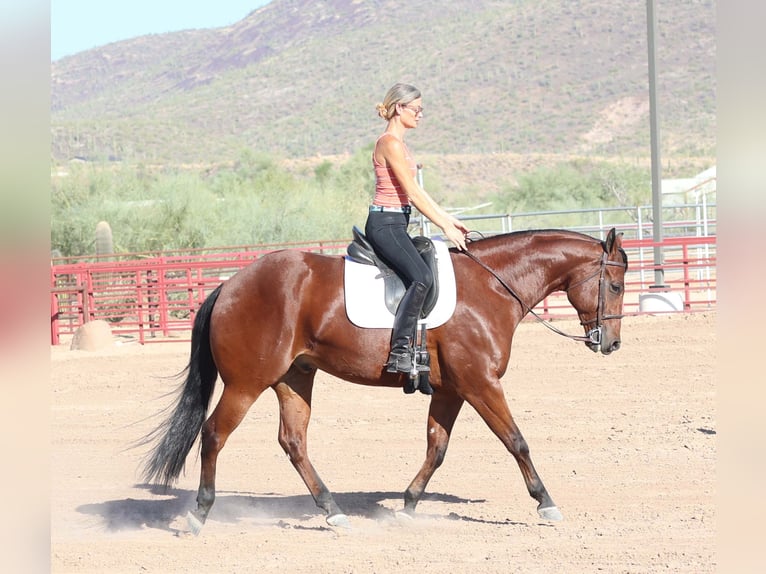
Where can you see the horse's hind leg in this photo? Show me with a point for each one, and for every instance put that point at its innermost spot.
(294, 395)
(231, 409)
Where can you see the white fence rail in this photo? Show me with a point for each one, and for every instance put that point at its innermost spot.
(684, 220)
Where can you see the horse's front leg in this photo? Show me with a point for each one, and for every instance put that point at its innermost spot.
(442, 414)
(489, 401)
(294, 395)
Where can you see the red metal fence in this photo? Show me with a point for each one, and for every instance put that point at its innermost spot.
(153, 297)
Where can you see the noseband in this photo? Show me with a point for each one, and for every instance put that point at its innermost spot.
(594, 335)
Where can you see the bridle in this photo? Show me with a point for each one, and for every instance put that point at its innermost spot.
(594, 335)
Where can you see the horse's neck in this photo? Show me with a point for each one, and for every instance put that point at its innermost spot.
(536, 267)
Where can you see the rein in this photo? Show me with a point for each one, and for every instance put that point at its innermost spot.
(594, 335)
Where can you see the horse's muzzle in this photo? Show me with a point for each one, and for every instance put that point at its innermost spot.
(611, 348)
(604, 349)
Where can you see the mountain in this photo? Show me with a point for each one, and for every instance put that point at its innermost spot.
(300, 78)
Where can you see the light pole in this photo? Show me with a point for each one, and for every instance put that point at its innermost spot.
(659, 272)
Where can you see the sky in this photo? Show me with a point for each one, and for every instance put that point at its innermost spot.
(78, 25)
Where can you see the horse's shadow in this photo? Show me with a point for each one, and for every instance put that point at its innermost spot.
(232, 507)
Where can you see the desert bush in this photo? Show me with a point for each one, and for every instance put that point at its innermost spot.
(257, 200)
(575, 185)
(254, 201)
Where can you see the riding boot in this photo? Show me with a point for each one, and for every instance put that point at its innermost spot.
(405, 328)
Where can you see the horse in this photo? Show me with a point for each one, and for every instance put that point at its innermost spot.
(281, 318)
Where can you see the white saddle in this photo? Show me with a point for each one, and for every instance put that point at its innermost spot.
(365, 293)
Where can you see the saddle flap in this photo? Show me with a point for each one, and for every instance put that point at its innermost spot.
(427, 251)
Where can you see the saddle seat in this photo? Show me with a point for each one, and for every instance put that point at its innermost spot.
(360, 250)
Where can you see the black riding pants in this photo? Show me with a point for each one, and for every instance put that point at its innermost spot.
(387, 231)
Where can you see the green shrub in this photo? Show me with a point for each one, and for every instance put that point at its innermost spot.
(257, 200)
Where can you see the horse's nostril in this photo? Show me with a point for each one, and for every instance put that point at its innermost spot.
(616, 345)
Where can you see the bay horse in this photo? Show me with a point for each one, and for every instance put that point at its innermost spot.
(280, 319)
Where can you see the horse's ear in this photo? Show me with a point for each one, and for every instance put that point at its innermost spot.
(613, 242)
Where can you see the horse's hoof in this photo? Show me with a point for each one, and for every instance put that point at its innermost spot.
(195, 524)
(550, 513)
(403, 516)
(339, 521)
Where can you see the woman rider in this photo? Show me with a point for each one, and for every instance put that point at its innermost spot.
(396, 190)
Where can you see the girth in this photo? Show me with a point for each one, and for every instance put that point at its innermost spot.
(360, 250)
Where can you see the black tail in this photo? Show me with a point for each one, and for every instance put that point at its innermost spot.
(175, 437)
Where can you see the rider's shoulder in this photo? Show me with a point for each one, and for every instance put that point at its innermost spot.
(389, 143)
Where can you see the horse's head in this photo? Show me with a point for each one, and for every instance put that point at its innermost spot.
(598, 296)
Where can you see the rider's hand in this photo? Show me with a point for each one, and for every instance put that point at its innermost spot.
(459, 224)
(456, 235)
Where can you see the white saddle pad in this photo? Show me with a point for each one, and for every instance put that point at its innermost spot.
(365, 292)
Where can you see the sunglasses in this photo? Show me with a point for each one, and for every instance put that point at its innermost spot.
(414, 110)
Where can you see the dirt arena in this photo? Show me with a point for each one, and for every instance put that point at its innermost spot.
(625, 444)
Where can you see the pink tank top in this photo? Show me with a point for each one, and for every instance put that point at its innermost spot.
(388, 192)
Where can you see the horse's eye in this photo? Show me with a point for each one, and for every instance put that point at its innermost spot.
(615, 288)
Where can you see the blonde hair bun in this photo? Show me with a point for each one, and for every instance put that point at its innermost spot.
(398, 94)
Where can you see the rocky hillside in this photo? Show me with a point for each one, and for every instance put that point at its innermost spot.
(300, 78)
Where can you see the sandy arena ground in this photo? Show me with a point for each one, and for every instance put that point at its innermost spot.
(625, 444)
